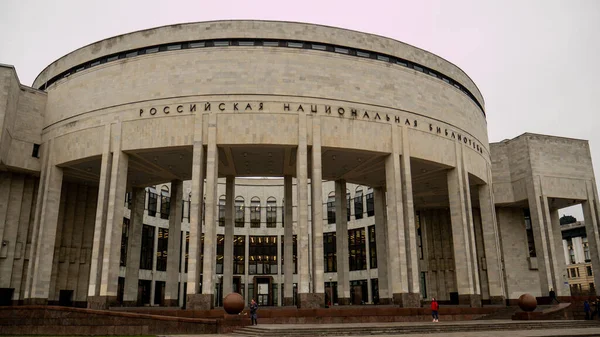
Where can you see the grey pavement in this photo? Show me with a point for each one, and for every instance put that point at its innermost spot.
(574, 331)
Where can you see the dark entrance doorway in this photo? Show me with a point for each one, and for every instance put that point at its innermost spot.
(65, 298)
(6, 295)
(263, 288)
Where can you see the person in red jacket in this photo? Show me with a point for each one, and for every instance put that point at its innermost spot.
(434, 310)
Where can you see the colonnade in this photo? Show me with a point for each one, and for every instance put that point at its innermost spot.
(398, 265)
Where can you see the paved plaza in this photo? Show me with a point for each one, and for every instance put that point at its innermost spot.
(436, 329)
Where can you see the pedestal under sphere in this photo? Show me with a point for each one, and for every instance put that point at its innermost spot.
(233, 303)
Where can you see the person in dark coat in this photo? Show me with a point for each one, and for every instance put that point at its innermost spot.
(434, 310)
(253, 310)
(553, 296)
(586, 309)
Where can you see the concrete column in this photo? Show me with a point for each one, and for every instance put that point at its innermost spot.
(14, 203)
(461, 216)
(44, 234)
(134, 246)
(592, 220)
(101, 207)
(288, 235)
(341, 243)
(489, 230)
(228, 243)
(114, 225)
(305, 299)
(473, 263)
(560, 274)
(382, 243)
(317, 214)
(194, 298)
(154, 260)
(413, 297)
(63, 240)
(29, 195)
(397, 266)
(210, 222)
(539, 235)
(182, 278)
(173, 252)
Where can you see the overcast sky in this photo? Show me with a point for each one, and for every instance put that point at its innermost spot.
(537, 63)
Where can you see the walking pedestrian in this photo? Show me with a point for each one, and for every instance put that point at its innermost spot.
(586, 309)
(434, 310)
(253, 309)
(553, 296)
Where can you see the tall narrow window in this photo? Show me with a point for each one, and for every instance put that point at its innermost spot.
(586, 249)
(147, 249)
(529, 230)
(348, 202)
(220, 252)
(239, 212)
(370, 203)
(419, 235)
(165, 202)
(162, 248)
(239, 254)
(329, 252)
(222, 211)
(358, 203)
(152, 201)
(372, 247)
(331, 208)
(357, 254)
(271, 213)
(124, 240)
(255, 212)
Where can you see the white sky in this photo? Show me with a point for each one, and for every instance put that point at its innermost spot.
(537, 63)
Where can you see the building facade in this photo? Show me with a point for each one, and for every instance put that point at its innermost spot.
(578, 258)
(121, 142)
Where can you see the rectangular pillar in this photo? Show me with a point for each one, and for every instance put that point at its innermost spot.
(304, 278)
(317, 214)
(114, 226)
(413, 297)
(134, 246)
(228, 243)
(560, 273)
(382, 242)
(194, 298)
(489, 230)
(44, 235)
(174, 244)
(100, 222)
(210, 223)
(460, 238)
(539, 235)
(288, 235)
(592, 220)
(397, 262)
(341, 243)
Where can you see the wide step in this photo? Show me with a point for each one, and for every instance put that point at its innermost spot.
(325, 330)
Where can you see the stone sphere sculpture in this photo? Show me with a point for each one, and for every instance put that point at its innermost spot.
(233, 303)
(527, 302)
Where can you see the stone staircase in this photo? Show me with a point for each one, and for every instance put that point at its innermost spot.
(407, 328)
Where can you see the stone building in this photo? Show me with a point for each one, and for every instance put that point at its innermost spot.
(578, 259)
(122, 142)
